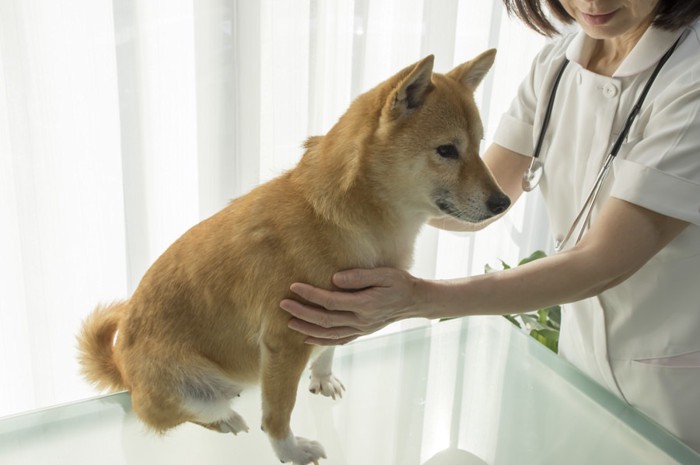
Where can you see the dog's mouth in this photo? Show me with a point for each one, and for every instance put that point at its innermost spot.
(448, 207)
(471, 214)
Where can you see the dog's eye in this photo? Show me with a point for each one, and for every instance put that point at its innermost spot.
(448, 151)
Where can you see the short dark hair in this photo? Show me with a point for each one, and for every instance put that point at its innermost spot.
(671, 15)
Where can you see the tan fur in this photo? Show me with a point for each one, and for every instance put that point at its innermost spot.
(205, 319)
(96, 343)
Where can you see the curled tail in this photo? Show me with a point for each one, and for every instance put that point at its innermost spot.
(96, 344)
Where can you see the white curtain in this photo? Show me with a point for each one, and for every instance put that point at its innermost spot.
(124, 122)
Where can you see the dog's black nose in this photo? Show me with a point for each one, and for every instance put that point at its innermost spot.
(498, 203)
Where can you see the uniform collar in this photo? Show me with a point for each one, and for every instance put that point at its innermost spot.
(650, 48)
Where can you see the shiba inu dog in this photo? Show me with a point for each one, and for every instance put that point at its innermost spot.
(205, 320)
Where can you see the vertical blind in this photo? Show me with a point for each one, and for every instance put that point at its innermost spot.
(125, 122)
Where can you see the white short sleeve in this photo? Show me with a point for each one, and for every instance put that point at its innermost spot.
(515, 130)
(661, 171)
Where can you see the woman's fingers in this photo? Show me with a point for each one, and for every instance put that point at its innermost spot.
(361, 278)
(335, 335)
(330, 300)
(322, 327)
(317, 316)
(330, 342)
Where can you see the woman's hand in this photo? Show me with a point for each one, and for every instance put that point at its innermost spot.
(369, 300)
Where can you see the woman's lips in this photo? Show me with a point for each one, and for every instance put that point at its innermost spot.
(598, 19)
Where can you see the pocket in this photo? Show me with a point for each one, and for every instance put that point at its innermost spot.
(689, 360)
(634, 136)
(668, 394)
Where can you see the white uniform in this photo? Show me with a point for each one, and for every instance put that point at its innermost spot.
(640, 339)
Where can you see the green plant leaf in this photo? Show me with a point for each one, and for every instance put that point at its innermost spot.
(536, 255)
(548, 337)
(555, 316)
(490, 269)
(532, 322)
(512, 319)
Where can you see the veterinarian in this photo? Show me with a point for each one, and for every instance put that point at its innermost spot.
(630, 281)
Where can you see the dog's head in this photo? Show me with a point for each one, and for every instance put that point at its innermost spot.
(426, 138)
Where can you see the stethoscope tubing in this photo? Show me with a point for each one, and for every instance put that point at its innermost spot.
(587, 207)
(531, 177)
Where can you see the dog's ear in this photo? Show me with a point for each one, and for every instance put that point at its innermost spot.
(471, 73)
(413, 89)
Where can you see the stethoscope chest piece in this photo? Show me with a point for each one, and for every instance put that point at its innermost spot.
(532, 176)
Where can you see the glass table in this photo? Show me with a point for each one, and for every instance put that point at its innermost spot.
(470, 391)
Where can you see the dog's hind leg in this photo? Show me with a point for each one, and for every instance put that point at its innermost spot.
(216, 416)
(172, 393)
(322, 379)
(207, 400)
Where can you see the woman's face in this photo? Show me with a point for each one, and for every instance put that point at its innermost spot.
(607, 19)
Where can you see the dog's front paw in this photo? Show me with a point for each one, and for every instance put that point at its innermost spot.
(298, 451)
(328, 385)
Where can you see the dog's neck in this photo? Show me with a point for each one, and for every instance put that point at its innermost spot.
(334, 181)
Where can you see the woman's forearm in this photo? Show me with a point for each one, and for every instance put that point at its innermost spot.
(545, 282)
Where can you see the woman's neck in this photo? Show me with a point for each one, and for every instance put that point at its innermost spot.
(608, 54)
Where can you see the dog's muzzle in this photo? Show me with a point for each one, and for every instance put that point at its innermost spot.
(474, 211)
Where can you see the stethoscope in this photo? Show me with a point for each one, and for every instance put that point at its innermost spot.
(531, 177)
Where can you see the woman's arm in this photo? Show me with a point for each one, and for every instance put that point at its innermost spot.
(507, 168)
(622, 239)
